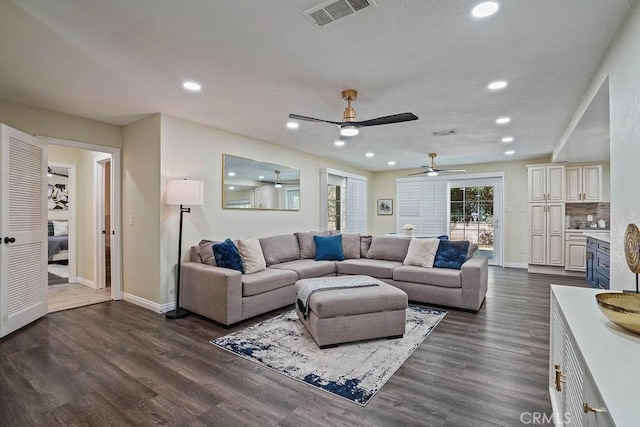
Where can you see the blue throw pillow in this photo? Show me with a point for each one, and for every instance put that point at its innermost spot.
(443, 237)
(227, 256)
(329, 248)
(451, 254)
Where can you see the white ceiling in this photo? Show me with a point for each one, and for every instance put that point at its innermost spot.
(119, 60)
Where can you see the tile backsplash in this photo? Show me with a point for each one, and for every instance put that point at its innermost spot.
(579, 211)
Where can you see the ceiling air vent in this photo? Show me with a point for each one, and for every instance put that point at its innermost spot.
(331, 11)
(444, 132)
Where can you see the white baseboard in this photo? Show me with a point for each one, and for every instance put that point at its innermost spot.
(522, 265)
(149, 305)
(86, 282)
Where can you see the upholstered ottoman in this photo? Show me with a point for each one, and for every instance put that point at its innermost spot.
(344, 315)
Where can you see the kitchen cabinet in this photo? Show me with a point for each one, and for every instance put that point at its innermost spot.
(584, 346)
(574, 251)
(546, 183)
(546, 227)
(591, 248)
(583, 183)
(598, 262)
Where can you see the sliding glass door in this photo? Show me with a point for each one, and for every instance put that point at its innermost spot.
(475, 210)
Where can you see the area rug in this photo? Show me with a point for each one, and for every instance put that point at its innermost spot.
(59, 270)
(354, 371)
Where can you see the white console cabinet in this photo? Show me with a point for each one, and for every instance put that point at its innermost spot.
(594, 366)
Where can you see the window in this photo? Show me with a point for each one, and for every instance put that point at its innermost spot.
(343, 202)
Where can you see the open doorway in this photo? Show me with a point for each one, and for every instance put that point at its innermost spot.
(93, 274)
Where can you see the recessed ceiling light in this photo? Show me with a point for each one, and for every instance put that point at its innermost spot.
(192, 86)
(500, 84)
(369, 154)
(510, 153)
(503, 120)
(391, 162)
(231, 174)
(261, 177)
(485, 9)
(507, 139)
(232, 188)
(293, 125)
(339, 143)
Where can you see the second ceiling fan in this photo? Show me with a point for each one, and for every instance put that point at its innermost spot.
(349, 125)
(433, 171)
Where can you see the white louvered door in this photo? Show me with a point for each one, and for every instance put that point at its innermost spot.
(23, 215)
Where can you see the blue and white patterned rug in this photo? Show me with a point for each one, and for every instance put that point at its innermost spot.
(354, 371)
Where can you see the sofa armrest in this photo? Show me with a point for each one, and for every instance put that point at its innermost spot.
(213, 292)
(475, 272)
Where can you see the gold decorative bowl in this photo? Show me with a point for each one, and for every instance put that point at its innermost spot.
(623, 309)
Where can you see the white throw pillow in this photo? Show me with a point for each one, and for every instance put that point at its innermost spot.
(252, 256)
(422, 252)
(60, 228)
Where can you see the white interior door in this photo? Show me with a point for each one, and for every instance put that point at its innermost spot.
(23, 217)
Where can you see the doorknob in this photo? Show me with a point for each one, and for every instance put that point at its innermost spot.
(8, 240)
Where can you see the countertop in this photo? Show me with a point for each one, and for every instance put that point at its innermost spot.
(605, 237)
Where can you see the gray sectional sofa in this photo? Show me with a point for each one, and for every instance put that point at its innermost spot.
(227, 296)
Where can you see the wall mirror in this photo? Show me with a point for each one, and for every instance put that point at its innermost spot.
(251, 184)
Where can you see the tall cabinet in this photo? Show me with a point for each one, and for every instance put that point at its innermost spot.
(546, 214)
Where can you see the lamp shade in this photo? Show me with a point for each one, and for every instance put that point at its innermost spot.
(184, 192)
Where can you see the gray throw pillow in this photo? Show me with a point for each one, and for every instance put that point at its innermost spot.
(365, 243)
(205, 247)
(278, 249)
(351, 245)
(306, 243)
(389, 248)
(473, 247)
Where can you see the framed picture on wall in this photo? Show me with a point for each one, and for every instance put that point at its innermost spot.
(57, 197)
(385, 206)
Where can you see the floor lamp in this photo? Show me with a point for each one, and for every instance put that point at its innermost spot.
(182, 192)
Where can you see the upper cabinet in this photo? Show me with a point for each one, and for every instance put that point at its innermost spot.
(546, 183)
(583, 183)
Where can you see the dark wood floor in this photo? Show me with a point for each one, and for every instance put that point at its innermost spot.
(119, 364)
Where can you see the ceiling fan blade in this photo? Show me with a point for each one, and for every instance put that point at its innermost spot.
(452, 170)
(311, 119)
(418, 173)
(386, 120)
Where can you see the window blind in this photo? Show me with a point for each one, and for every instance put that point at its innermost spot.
(356, 200)
(422, 204)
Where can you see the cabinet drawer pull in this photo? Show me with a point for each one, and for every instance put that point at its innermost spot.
(586, 409)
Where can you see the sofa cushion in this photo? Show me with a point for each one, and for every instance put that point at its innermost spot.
(308, 268)
(205, 247)
(351, 245)
(421, 252)
(380, 269)
(365, 244)
(227, 255)
(329, 248)
(251, 254)
(451, 254)
(445, 277)
(389, 248)
(306, 243)
(267, 280)
(282, 248)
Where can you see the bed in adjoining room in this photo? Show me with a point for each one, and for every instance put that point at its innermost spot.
(58, 236)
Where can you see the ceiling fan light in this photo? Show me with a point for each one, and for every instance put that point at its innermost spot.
(349, 131)
(278, 185)
(432, 173)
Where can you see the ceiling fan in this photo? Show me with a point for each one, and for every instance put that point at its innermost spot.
(279, 182)
(433, 171)
(349, 125)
